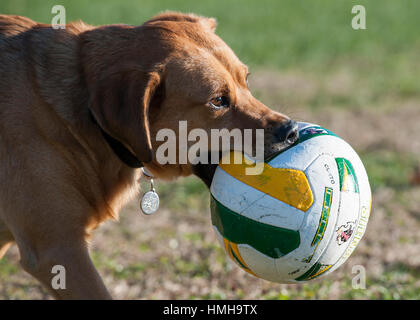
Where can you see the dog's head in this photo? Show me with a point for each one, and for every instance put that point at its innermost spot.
(173, 68)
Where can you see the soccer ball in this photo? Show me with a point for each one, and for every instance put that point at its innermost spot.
(302, 217)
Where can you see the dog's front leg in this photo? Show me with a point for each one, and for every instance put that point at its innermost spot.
(65, 268)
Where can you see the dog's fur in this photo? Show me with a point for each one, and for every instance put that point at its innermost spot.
(59, 177)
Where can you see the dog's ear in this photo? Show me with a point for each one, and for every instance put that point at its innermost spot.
(119, 101)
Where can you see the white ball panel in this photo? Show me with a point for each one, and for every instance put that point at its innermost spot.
(232, 193)
(325, 178)
(271, 211)
(297, 157)
(262, 265)
(301, 155)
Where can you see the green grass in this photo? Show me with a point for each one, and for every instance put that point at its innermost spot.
(395, 284)
(7, 268)
(183, 194)
(118, 271)
(389, 169)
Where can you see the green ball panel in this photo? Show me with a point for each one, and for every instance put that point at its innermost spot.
(272, 241)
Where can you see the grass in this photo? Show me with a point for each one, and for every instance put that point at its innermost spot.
(184, 194)
(389, 169)
(7, 268)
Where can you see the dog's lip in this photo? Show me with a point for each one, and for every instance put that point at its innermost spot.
(283, 147)
(275, 153)
(205, 172)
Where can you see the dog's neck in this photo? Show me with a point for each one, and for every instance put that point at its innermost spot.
(125, 155)
(117, 181)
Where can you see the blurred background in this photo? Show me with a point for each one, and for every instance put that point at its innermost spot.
(308, 62)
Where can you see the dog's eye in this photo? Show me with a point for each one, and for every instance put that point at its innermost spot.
(220, 102)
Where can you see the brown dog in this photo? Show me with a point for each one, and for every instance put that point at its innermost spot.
(79, 112)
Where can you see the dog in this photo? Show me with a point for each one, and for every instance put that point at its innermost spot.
(80, 108)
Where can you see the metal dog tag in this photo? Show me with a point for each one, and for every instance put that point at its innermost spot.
(149, 203)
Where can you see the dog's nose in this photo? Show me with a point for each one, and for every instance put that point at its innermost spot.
(287, 132)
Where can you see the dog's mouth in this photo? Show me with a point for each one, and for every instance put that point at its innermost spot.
(205, 172)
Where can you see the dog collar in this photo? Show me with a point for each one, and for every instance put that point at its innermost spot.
(125, 155)
(149, 202)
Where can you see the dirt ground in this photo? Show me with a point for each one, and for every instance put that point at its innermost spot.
(174, 253)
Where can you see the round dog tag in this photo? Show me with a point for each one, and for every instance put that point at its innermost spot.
(149, 202)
